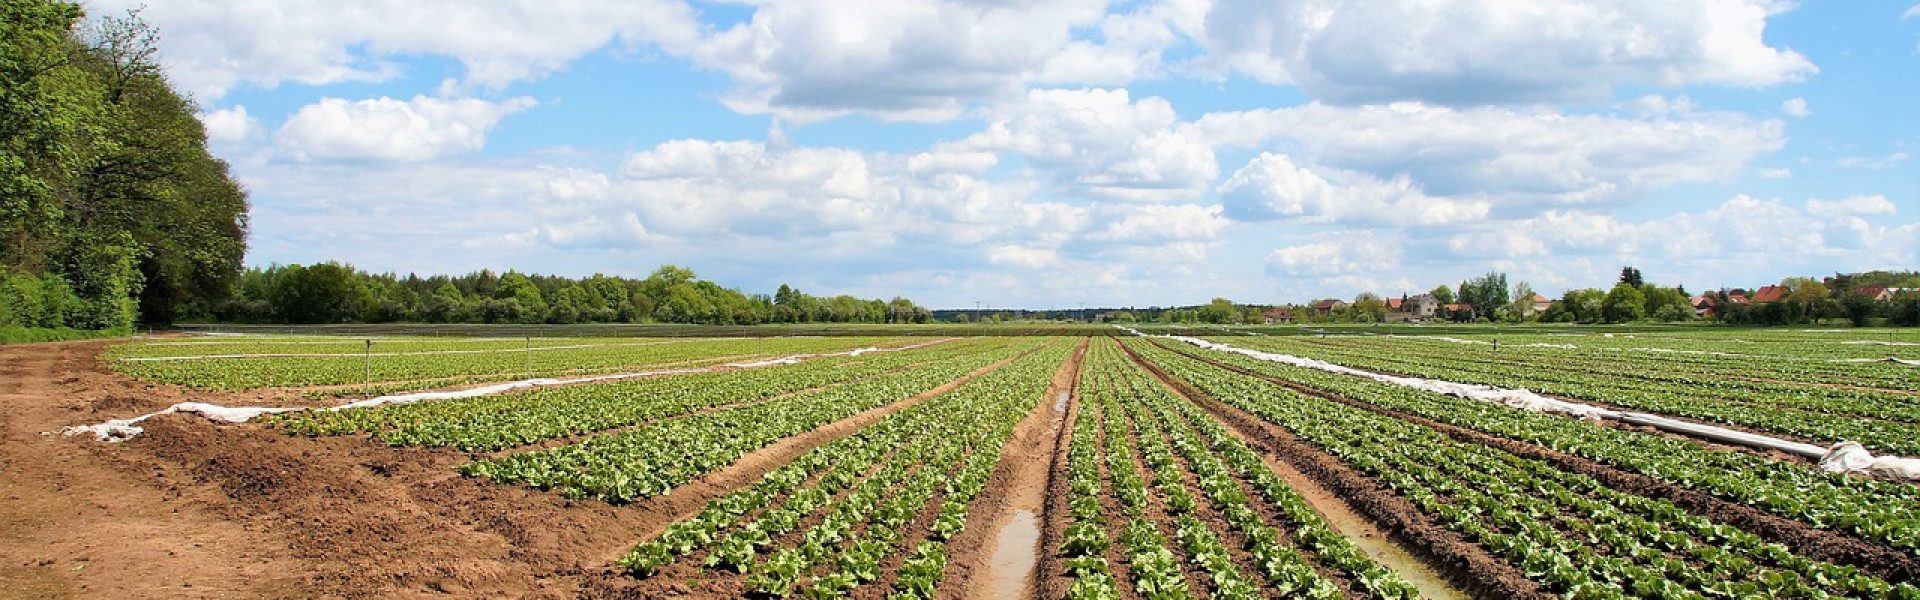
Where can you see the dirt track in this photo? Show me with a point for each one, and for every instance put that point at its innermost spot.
(200, 510)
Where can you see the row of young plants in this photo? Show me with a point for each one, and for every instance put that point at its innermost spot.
(229, 374)
(1879, 511)
(1826, 416)
(863, 495)
(1187, 451)
(488, 423)
(649, 460)
(1721, 368)
(1564, 530)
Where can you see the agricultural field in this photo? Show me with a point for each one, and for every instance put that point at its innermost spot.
(1119, 465)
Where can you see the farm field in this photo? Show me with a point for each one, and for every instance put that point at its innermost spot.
(907, 463)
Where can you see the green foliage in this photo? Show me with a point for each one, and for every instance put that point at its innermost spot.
(105, 179)
(340, 293)
(1624, 303)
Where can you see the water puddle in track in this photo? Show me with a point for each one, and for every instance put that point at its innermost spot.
(1060, 404)
(1015, 554)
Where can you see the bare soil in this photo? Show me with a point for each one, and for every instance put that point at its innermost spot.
(197, 509)
(1467, 565)
(1806, 540)
(998, 556)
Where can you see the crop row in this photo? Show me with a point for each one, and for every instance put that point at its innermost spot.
(1565, 530)
(1190, 457)
(650, 460)
(1828, 415)
(863, 497)
(250, 373)
(487, 423)
(1879, 511)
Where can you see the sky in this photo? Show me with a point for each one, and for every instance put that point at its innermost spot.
(1058, 153)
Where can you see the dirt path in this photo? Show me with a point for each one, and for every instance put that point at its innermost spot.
(199, 509)
(1001, 558)
(1467, 564)
(81, 519)
(1377, 543)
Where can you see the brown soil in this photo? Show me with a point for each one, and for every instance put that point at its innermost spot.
(979, 567)
(197, 509)
(1338, 514)
(1469, 566)
(1804, 539)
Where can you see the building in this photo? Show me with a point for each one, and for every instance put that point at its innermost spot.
(1702, 305)
(1540, 305)
(1879, 293)
(1423, 306)
(1277, 314)
(1771, 293)
(1326, 307)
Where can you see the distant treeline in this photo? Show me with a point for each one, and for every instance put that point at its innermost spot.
(112, 211)
(336, 293)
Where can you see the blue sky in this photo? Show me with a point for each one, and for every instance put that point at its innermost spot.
(1060, 152)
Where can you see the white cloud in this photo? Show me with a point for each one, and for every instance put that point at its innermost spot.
(1101, 142)
(1338, 254)
(388, 129)
(1795, 107)
(1873, 164)
(231, 126)
(903, 59)
(1272, 187)
(1486, 51)
(1912, 11)
(1777, 173)
(1743, 234)
(1515, 157)
(212, 46)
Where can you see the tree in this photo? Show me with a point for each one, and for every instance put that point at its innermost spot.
(1486, 293)
(1624, 303)
(1522, 306)
(1631, 276)
(1443, 295)
(1367, 308)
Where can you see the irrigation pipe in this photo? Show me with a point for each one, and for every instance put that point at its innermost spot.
(1843, 457)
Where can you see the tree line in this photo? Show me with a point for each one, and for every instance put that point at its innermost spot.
(112, 211)
(338, 293)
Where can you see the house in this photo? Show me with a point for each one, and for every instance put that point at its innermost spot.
(1702, 305)
(1397, 304)
(1738, 298)
(1326, 307)
(1540, 305)
(1277, 314)
(1422, 306)
(1771, 293)
(1459, 312)
(1879, 293)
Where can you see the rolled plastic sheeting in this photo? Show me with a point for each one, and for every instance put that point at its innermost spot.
(119, 430)
(1843, 457)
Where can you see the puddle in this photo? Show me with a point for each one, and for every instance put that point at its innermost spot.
(1014, 556)
(1060, 404)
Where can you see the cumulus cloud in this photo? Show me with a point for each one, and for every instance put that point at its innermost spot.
(1518, 157)
(1271, 187)
(1101, 142)
(1336, 255)
(384, 128)
(1795, 107)
(1744, 231)
(211, 46)
(906, 59)
(1484, 51)
(231, 126)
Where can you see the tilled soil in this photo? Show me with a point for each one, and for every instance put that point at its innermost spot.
(1806, 540)
(196, 509)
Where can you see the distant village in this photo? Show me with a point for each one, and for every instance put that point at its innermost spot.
(1860, 299)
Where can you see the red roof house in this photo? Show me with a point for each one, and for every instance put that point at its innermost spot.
(1771, 293)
